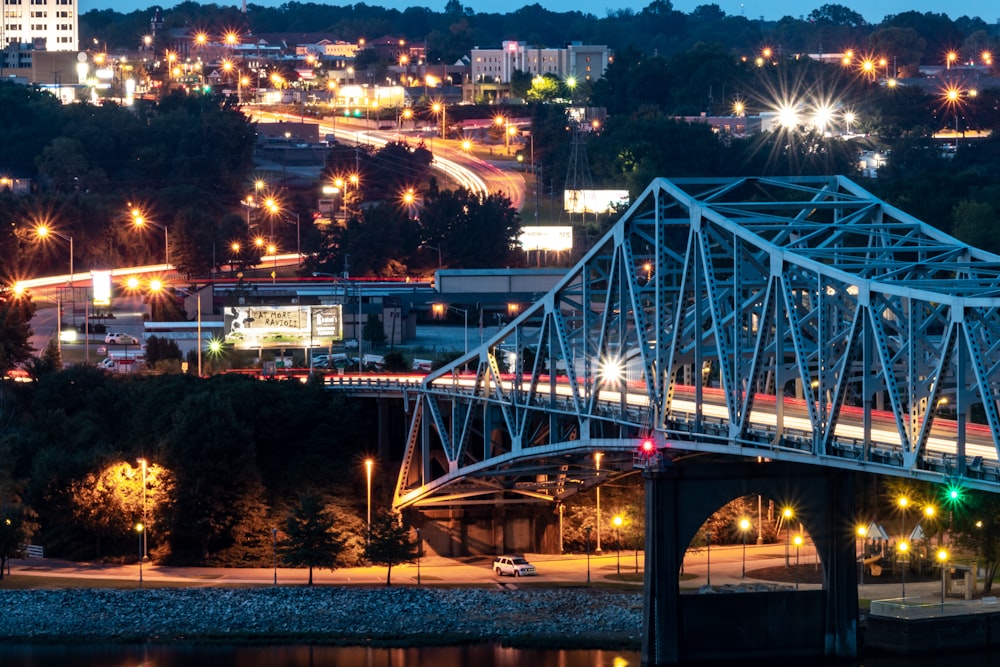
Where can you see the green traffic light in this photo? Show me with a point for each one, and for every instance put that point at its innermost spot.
(954, 494)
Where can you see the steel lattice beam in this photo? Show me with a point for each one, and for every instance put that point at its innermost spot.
(797, 319)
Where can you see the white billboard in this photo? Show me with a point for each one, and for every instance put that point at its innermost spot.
(253, 327)
(594, 201)
(546, 238)
(101, 286)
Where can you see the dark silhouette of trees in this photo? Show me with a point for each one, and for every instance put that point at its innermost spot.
(389, 543)
(311, 538)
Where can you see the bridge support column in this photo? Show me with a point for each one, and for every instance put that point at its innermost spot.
(840, 568)
(661, 602)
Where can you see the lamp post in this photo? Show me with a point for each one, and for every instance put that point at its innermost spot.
(902, 502)
(708, 555)
(438, 309)
(786, 516)
(903, 547)
(597, 467)
(439, 108)
(139, 528)
(744, 527)
(618, 526)
(798, 543)
(139, 221)
(145, 548)
(586, 529)
(861, 533)
(419, 549)
(942, 556)
(274, 552)
(368, 475)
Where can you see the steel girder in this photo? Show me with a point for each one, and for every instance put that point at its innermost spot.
(797, 319)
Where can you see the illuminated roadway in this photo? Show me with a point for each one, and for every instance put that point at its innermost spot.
(468, 171)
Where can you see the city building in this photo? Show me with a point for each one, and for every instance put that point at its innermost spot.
(581, 61)
(47, 25)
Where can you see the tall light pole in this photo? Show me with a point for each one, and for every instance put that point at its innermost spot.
(274, 552)
(942, 556)
(368, 475)
(798, 543)
(438, 309)
(861, 533)
(903, 547)
(43, 232)
(902, 502)
(597, 467)
(618, 526)
(744, 527)
(139, 221)
(420, 547)
(586, 530)
(145, 548)
(139, 528)
(786, 516)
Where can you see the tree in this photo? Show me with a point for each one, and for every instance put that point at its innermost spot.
(389, 543)
(312, 539)
(976, 527)
(15, 330)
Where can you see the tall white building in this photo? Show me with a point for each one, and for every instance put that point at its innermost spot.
(582, 61)
(43, 25)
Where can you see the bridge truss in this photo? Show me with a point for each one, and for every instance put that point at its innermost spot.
(797, 319)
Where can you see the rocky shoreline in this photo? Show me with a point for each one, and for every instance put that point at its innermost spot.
(577, 618)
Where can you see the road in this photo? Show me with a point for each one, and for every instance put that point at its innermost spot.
(723, 564)
(460, 166)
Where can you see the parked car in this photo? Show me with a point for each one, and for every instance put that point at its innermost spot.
(117, 338)
(516, 566)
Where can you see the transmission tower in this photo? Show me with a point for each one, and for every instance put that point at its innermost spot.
(578, 170)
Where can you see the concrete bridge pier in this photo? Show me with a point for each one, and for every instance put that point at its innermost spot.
(807, 623)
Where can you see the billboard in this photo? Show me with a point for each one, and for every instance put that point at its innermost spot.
(594, 201)
(546, 238)
(253, 327)
(101, 287)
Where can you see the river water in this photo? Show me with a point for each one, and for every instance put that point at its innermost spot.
(477, 655)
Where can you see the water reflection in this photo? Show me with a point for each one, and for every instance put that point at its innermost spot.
(304, 656)
(479, 655)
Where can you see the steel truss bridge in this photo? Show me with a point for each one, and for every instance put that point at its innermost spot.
(791, 319)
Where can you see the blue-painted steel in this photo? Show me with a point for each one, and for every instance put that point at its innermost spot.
(796, 319)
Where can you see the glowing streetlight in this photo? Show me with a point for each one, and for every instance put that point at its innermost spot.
(942, 556)
(617, 521)
(439, 108)
(139, 528)
(369, 463)
(949, 58)
(597, 467)
(787, 514)
(902, 503)
(861, 532)
(139, 221)
(145, 548)
(797, 541)
(44, 231)
(744, 528)
(903, 547)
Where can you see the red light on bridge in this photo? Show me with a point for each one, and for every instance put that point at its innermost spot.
(648, 447)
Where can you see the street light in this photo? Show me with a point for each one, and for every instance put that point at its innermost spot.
(586, 529)
(419, 549)
(139, 528)
(274, 552)
(861, 533)
(275, 210)
(439, 309)
(902, 502)
(744, 527)
(502, 121)
(597, 467)
(618, 525)
(145, 548)
(44, 231)
(903, 547)
(439, 108)
(787, 515)
(139, 221)
(798, 543)
(942, 556)
(368, 475)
